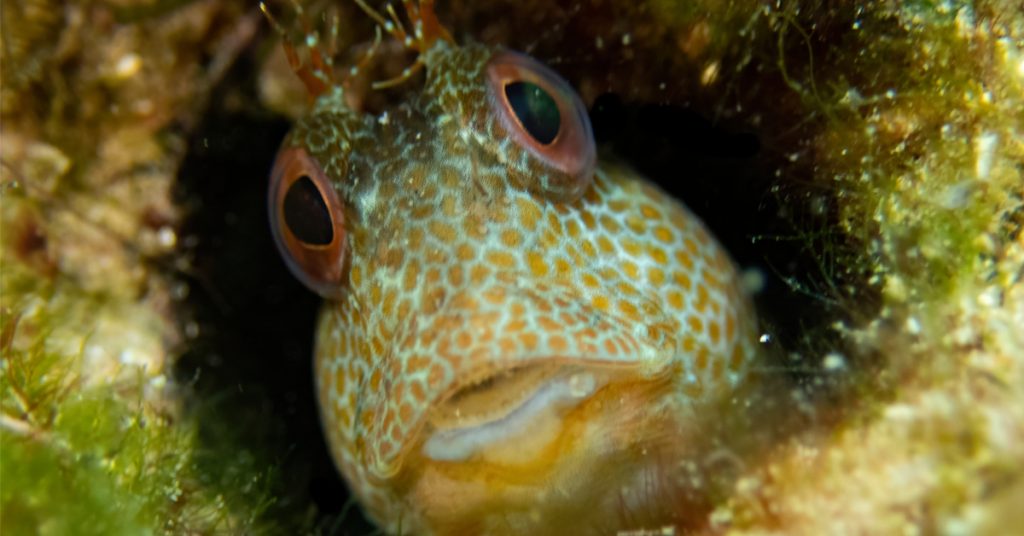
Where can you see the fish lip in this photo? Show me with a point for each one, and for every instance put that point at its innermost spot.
(635, 351)
(520, 381)
(560, 389)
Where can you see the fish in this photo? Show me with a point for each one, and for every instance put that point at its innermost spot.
(519, 334)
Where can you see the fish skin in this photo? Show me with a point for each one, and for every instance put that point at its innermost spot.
(470, 264)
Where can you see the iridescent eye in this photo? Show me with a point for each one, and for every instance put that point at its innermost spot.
(307, 221)
(535, 110)
(542, 114)
(306, 214)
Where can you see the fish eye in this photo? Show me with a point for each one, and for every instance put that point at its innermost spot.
(306, 214)
(535, 109)
(542, 113)
(307, 221)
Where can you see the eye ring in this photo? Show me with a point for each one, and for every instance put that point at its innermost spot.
(307, 221)
(571, 149)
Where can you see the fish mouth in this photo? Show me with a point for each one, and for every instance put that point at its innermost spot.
(511, 415)
(527, 374)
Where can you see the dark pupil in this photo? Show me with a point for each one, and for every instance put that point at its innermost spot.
(306, 214)
(535, 109)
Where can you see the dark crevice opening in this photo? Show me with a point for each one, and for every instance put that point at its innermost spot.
(775, 225)
(248, 361)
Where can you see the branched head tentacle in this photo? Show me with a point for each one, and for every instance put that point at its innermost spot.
(425, 32)
(316, 67)
(318, 75)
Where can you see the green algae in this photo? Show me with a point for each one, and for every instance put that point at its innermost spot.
(77, 460)
(921, 148)
(87, 475)
(102, 459)
(916, 151)
(93, 439)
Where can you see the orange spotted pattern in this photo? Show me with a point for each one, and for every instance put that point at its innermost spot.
(456, 269)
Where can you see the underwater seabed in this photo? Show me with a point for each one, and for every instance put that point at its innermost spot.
(864, 163)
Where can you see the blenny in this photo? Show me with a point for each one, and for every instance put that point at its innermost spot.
(519, 336)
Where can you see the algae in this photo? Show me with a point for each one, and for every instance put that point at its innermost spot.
(94, 111)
